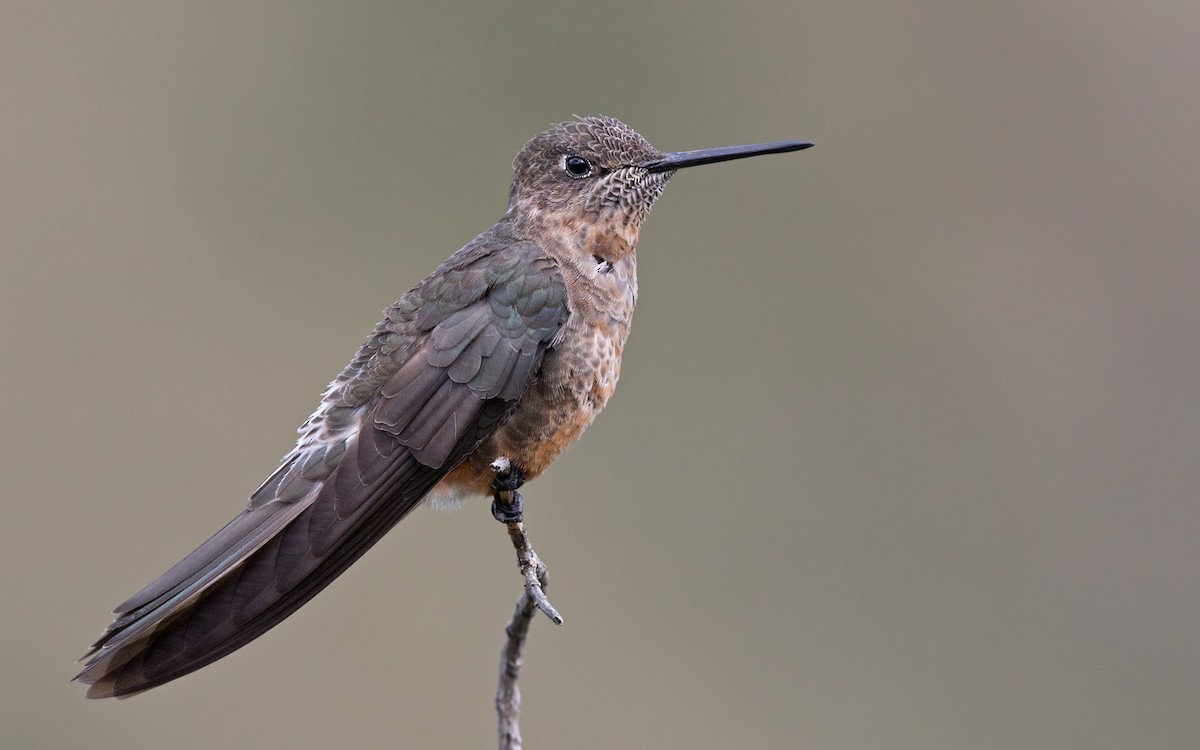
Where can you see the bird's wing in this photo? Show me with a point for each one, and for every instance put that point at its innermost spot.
(440, 373)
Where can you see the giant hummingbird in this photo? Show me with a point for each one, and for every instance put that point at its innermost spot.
(509, 349)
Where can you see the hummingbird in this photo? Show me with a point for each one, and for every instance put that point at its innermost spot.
(509, 349)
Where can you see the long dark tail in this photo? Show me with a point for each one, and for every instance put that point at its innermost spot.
(252, 574)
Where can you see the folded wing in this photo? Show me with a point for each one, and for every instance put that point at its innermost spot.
(442, 371)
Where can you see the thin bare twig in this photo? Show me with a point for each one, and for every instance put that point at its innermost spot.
(532, 568)
(534, 571)
(508, 694)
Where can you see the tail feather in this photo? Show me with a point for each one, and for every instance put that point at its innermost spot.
(199, 616)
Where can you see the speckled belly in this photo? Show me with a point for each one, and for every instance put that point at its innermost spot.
(575, 382)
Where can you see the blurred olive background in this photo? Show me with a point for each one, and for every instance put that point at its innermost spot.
(907, 448)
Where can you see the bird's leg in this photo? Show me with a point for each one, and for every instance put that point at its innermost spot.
(506, 501)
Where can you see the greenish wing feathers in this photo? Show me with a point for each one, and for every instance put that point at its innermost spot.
(483, 345)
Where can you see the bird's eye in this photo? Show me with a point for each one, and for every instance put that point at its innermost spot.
(577, 166)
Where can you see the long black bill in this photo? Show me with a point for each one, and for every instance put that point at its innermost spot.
(681, 159)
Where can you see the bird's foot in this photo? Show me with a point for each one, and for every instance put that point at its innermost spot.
(507, 505)
(509, 480)
(508, 511)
